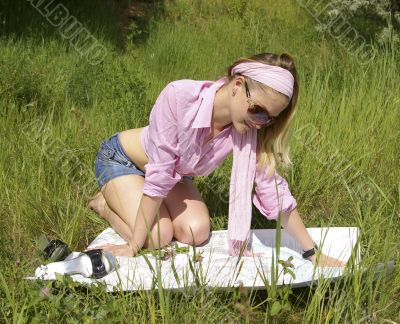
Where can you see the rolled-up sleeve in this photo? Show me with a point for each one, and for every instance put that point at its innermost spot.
(272, 194)
(162, 146)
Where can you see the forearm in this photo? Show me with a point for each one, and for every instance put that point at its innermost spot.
(148, 209)
(295, 227)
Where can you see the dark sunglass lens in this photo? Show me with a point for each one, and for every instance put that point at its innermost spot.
(260, 118)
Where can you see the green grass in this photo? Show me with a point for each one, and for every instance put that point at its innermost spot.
(55, 109)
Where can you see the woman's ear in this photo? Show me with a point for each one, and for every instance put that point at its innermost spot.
(238, 82)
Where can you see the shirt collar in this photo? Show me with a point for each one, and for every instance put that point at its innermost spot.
(204, 114)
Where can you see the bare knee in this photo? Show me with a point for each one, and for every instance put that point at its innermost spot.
(161, 232)
(196, 232)
(160, 236)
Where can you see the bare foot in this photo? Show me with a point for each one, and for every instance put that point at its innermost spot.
(97, 204)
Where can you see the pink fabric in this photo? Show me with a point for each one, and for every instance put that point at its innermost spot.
(273, 76)
(174, 143)
(244, 157)
(242, 179)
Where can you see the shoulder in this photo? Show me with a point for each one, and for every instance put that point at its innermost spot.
(189, 90)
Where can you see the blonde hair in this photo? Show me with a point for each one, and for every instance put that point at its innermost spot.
(272, 146)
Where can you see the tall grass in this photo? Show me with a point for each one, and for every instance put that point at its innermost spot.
(56, 109)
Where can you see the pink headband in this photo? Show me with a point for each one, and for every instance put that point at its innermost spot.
(273, 76)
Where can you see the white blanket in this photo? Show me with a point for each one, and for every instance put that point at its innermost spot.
(217, 268)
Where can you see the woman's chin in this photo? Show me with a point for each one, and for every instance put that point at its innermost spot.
(241, 128)
(246, 126)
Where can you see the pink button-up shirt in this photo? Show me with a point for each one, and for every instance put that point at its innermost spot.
(174, 143)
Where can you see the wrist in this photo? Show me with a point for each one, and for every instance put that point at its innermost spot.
(312, 258)
(133, 249)
(310, 253)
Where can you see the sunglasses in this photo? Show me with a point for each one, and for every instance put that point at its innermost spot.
(257, 114)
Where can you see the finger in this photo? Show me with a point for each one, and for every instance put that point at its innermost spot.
(339, 262)
(105, 248)
(118, 252)
(109, 249)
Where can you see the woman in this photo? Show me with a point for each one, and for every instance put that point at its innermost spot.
(193, 126)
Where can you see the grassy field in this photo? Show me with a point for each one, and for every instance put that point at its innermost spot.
(56, 108)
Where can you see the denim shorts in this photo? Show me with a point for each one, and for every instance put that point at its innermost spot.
(111, 161)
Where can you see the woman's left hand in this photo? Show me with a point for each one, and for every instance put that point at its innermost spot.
(117, 250)
(326, 261)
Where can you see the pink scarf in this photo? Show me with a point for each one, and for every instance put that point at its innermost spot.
(244, 158)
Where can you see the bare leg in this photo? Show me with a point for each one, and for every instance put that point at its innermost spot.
(99, 206)
(127, 201)
(189, 214)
